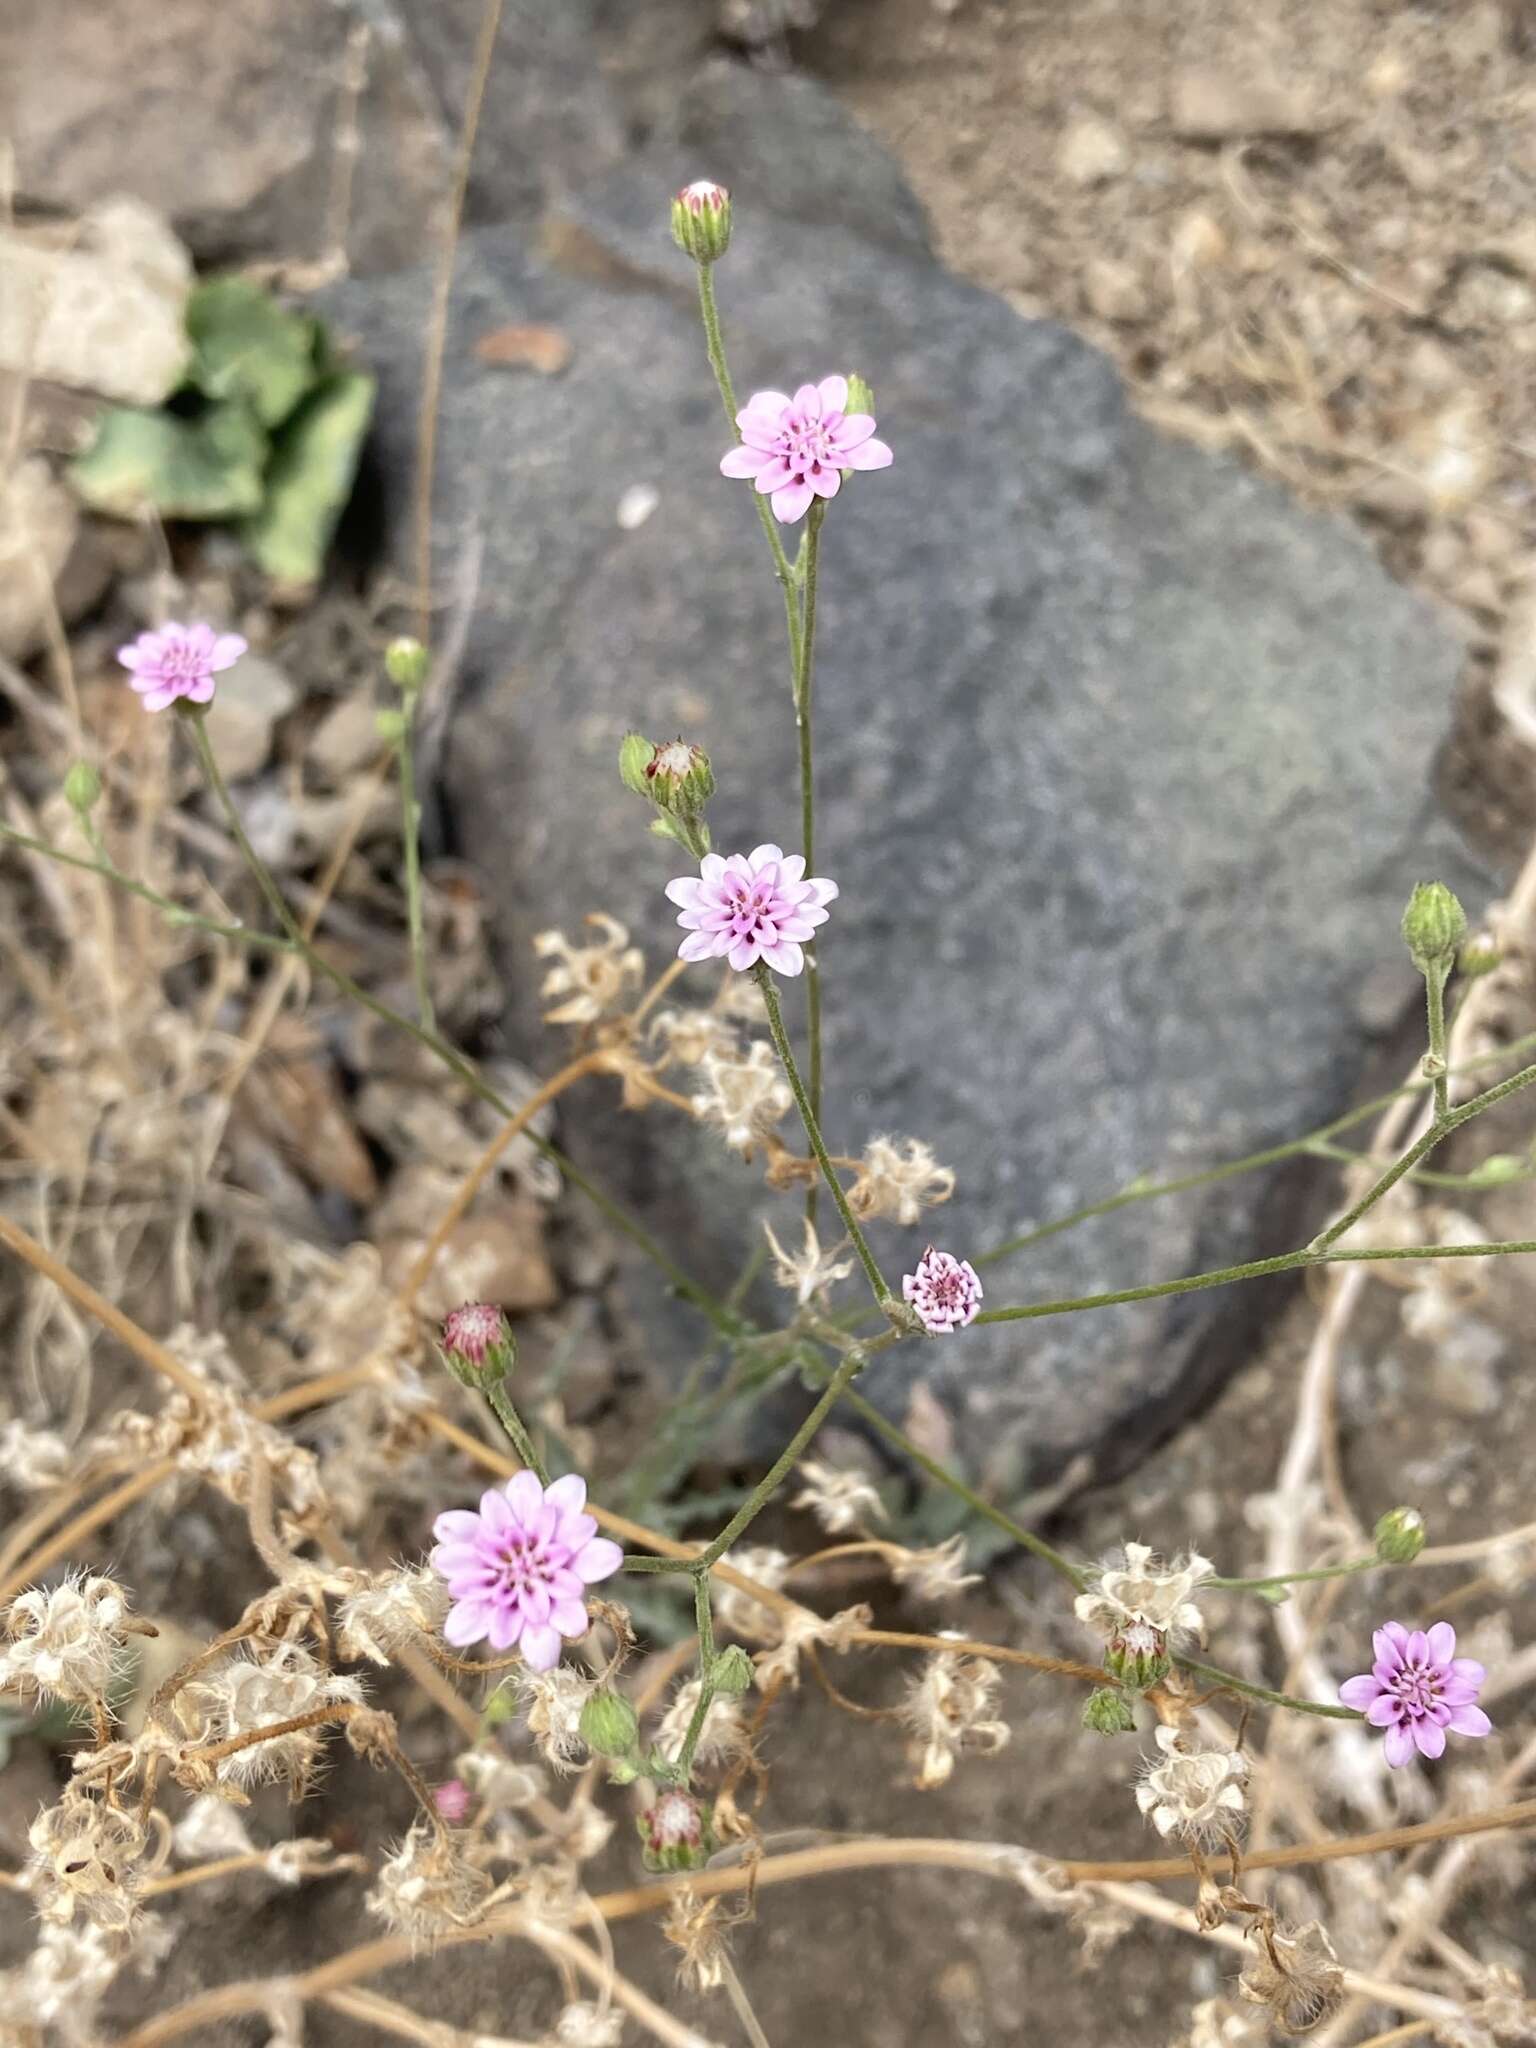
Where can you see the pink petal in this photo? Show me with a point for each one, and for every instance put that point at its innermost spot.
(541, 1648)
(772, 403)
(774, 476)
(742, 954)
(873, 455)
(851, 433)
(1389, 1643)
(1470, 1720)
(697, 946)
(792, 867)
(745, 461)
(536, 1603)
(200, 689)
(599, 1559)
(760, 856)
(1430, 1738)
(823, 890)
(466, 1624)
(495, 1511)
(456, 1523)
(833, 392)
(227, 650)
(1467, 1671)
(712, 867)
(738, 865)
(1416, 1650)
(575, 1530)
(525, 1496)
(826, 483)
(808, 401)
(570, 1617)
(136, 655)
(568, 1495)
(686, 891)
(791, 503)
(1359, 1693)
(785, 958)
(200, 638)
(1442, 1642)
(505, 1627)
(759, 431)
(1398, 1746)
(160, 698)
(1385, 1711)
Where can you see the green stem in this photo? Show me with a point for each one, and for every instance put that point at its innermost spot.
(724, 1320)
(705, 1622)
(1228, 1683)
(173, 911)
(765, 981)
(1434, 992)
(705, 1560)
(517, 1433)
(1322, 1571)
(804, 675)
(410, 839)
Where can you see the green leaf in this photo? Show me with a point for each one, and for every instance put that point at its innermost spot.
(314, 464)
(205, 468)
(245, 345)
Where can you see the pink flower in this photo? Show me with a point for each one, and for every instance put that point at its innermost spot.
(754, 906)
(452, 1801)
(517, 1571)
(179, 661)
(797, 448)
(944, 1290)
(1417, 1688)
(474, 1331)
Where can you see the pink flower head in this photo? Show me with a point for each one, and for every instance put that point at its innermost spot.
(704, 193)
(944, 1290)
(796, 449)
(518, 1570)
(179, 661)
(474, 1331)
(754, 906)
(452, 1801)
(1417, 1688)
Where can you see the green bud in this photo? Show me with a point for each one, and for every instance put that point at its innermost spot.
(679, 779)
(405, 663)
(1497, 1170)
(1480, 955)
(390, 725)
(1434, 925)
(635, 755)
(82, 787)
(675, 1831)
(1109, 1713)
(860, 397)
(701, 220)
(609, 1724)
(1138, 1657)
(734, 1671)
(1399, 1536)
(477, 1345)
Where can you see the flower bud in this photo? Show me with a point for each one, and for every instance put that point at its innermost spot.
(860, 397)
(674, 1831)
(701, 220)
(405, 663)
(1399, 1536)
(1497, 1170)
(1138, 1656)
(609, 1724)
(734, 1671)
(679, 778)
(635, 755)
(1480, 955)
(452, 1800)
(1434, 925)
(82, 787)
(477, 1344)
(1108, 1712)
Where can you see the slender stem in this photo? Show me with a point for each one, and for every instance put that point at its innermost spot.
(1322, 1571)
(705, 1623)
(765, 981)
(410, 840)
(174, 911)
(804, 678)
(1434, 993)
(1228, 1683)
(275, 899)
(517, 1434)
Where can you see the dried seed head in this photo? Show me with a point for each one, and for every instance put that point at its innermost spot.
(32, 1458)
(1143, 1590)
(890, 1184)
(1295, 1974)
(723, 1739)
(945, 1710)
(210, 1827)
(556, 1699)
(697, 1928)
(497, 1784)
(934, 1574)
(249, 1693)
(1196, 1794)
(388, 1611)
(738, 1613)
(68, 1642)
(687, 1036)
(808, 1273)
(589, 2026)
(595, 979)
(746, 1095)
(426, 1888)
(84, 1862)
(844, 1503)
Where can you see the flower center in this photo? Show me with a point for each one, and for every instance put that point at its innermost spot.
(523, 1564)
(180, 663)
(806, 444)
(1418, 1687)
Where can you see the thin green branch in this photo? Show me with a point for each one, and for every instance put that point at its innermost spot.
(804, 680)
(1228, 1683)
(410, 840)
(1276, 1580)
(517, 1432)
(174, 912)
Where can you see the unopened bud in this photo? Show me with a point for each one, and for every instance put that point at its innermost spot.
(1108, 1712)
(1399, 1536)
(678, 776)
(1434, 925)
(405, 663)
(1138, 1657)
(477, 1344)
(609, 1724)
(860, 396)
(701, 220)
(674, 1831)
(734, 1671)
(635, 755)
(82, 787)
(1480, 955)
(1497, 1170)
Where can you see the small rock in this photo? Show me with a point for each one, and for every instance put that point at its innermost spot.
(38, 523)
(1221, 106)
(1092, 152)
(345, 740)
(251, 698)
(1198, 242)
(636, 506)
(544, 349)
(1463, 1376)
(1113, 290)
(103, 313)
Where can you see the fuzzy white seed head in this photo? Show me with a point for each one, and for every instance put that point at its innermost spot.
(1195, 1794)
(67, 1642)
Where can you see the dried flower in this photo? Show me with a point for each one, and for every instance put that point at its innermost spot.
(888, 1184)
(518, 1570)
(67, 1642)
(722, 1740)
(497, 1783)
(796, 449)
(698, 1928)
(556, 1699)
(945, 1291)
(1144, 1590)
(746, 1096)
(738, 1613)
(933, 1574)
(701, 220)
(210, 1827)
(595, 978)
(1196, 1794)
(674, 1831)
(751, 906)
(452, 1800)
(179, 661)
(689, 1035)
(945, 1710)
(589, 2026)
(248, 1693)
(1417, 1689)
(84, 1861)
(427, 1888)
(842, 1502)
(800, 1630)
(388, 1611)
(1297, 1975)
(32, 1458)
(810, 1271)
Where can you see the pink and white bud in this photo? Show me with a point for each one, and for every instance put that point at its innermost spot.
(477, 1343)
(701, 220)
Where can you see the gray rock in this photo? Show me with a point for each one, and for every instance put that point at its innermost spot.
(1122, 756)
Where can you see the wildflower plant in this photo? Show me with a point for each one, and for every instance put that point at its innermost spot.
(508, 1591)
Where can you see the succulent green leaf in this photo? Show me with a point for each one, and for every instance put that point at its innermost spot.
(245, 345)
(314, 465)
(205, 468)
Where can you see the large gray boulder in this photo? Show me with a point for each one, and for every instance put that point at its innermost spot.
(1123, 756)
